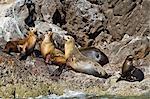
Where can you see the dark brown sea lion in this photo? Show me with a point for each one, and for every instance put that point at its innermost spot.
(129, 72)
(12, 46)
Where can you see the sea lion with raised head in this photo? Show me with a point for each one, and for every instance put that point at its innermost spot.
(129, 72)
(47, 47)
(80, 63)
(51, 54)
(29, 44)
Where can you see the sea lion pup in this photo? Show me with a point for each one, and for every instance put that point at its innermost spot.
(80, 63)
(129, 72)
(29, 44)
(95, 54)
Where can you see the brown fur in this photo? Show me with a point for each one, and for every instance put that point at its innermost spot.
(49, 51)
(47, 47)
(52, 54)
(29, 44)
(127, 65)
(129, 72)
(12, 46)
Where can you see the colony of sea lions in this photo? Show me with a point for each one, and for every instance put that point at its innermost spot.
(84, 60)
(89, 60)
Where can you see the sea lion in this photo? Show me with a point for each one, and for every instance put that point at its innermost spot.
(51, 54)
(29, 44)
(129, 72)
(12, 46)
(95, 54)
(79, 63)
(47, 47)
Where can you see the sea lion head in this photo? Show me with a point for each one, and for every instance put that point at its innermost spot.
(69, 45)
(33, 30)
(68, 38)
(129, 58)
(50, 34)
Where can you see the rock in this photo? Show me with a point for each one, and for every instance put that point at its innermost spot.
(126, 17)
(9, 28)
(6, 1)
(116, 27)
(139, 47)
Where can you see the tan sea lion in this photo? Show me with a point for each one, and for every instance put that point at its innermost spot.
(48, 50)
(29, 44)
(79, 63)
(130, 72)
(47, 47)
(51, 54)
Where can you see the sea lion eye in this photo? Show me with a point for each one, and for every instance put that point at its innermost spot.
(72, 59)
(97, 55)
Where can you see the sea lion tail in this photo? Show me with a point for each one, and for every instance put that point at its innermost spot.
(97, 74)
(121, 78)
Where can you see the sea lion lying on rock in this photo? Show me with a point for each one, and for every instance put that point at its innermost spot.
(95, 54)
(80, 63)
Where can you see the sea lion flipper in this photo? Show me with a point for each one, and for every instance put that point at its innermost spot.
(58, 71)
(23, 56)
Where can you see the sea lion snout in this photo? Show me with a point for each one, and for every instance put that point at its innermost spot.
(33, 29)
(65, 38)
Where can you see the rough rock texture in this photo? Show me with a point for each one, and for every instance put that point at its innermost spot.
(117, 27)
